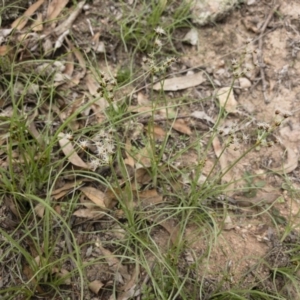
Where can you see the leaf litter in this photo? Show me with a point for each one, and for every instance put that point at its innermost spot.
(54, 33)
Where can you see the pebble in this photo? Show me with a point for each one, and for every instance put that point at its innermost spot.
(244, 82)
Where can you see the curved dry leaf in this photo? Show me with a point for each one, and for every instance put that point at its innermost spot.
(69, 65)
(95, 286)
(143, 158)
(92, 84)
(202, 116)
(62, 274)
(65, 189)
(172, 229)
(290, 165)
(22, 21)
(227, 99)
(98, 197)
(69, 152)
(142, 176)
(158, 133)
(150, 197)
(55, 8)
(180, 126)
(88, 213)
(38, 23)
(114, 263)
(129, 159)
(40, 210)
(68, 22)
(179, 83)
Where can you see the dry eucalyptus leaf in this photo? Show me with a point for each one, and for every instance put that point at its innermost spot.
(173, 230)
(55, 8)
(40, 210)
(38, 23)
(95, 286)
(66, 187)
(144, 156)
(98, 197)
(150, 197)
(92, 84)
(69, 21)
(69, 65)
(143, 100)
(158, 133)
(114, 263)
(22, 21)
(222, 160)
(290, 165)
(142, 176)
(63, 274)
(180, 126)
(88, 213)
(68, 150)
(227, 99)
(180, 83)
(202, 116)
(129, 159)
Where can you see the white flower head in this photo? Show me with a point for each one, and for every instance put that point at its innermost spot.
(83, 144)
(105, 158)
(100, 150)
(158, 43)
(69, 136)
(159, 30)
(95, 163)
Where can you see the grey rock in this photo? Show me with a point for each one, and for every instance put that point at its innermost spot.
(206, 11)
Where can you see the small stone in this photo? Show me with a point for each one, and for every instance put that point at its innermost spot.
(191, 37)
(245, 83)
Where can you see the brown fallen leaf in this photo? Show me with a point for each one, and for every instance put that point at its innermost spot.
(30, 275)
(227, 99)
(95, 286)
(144, 156)
(129, 159)
(150, 197)
(55, 8)
(38, 23)
(62, 274)
(66, 25)
(180, 83)
(98, 197)
(88, 213)
(68, 150)
(143, 100)
(180, 126)
(92, 85)
(143, 175)
(158, 133)
(114, 264)
(39, 210)
(82, 63)
(22, 21)
(291, 163)
(69, 65)
(65, 189)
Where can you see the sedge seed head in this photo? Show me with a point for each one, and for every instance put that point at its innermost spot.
(83, 144)
(69, 136)
(159, 30)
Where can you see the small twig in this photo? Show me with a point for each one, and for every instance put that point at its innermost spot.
(260, 52)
